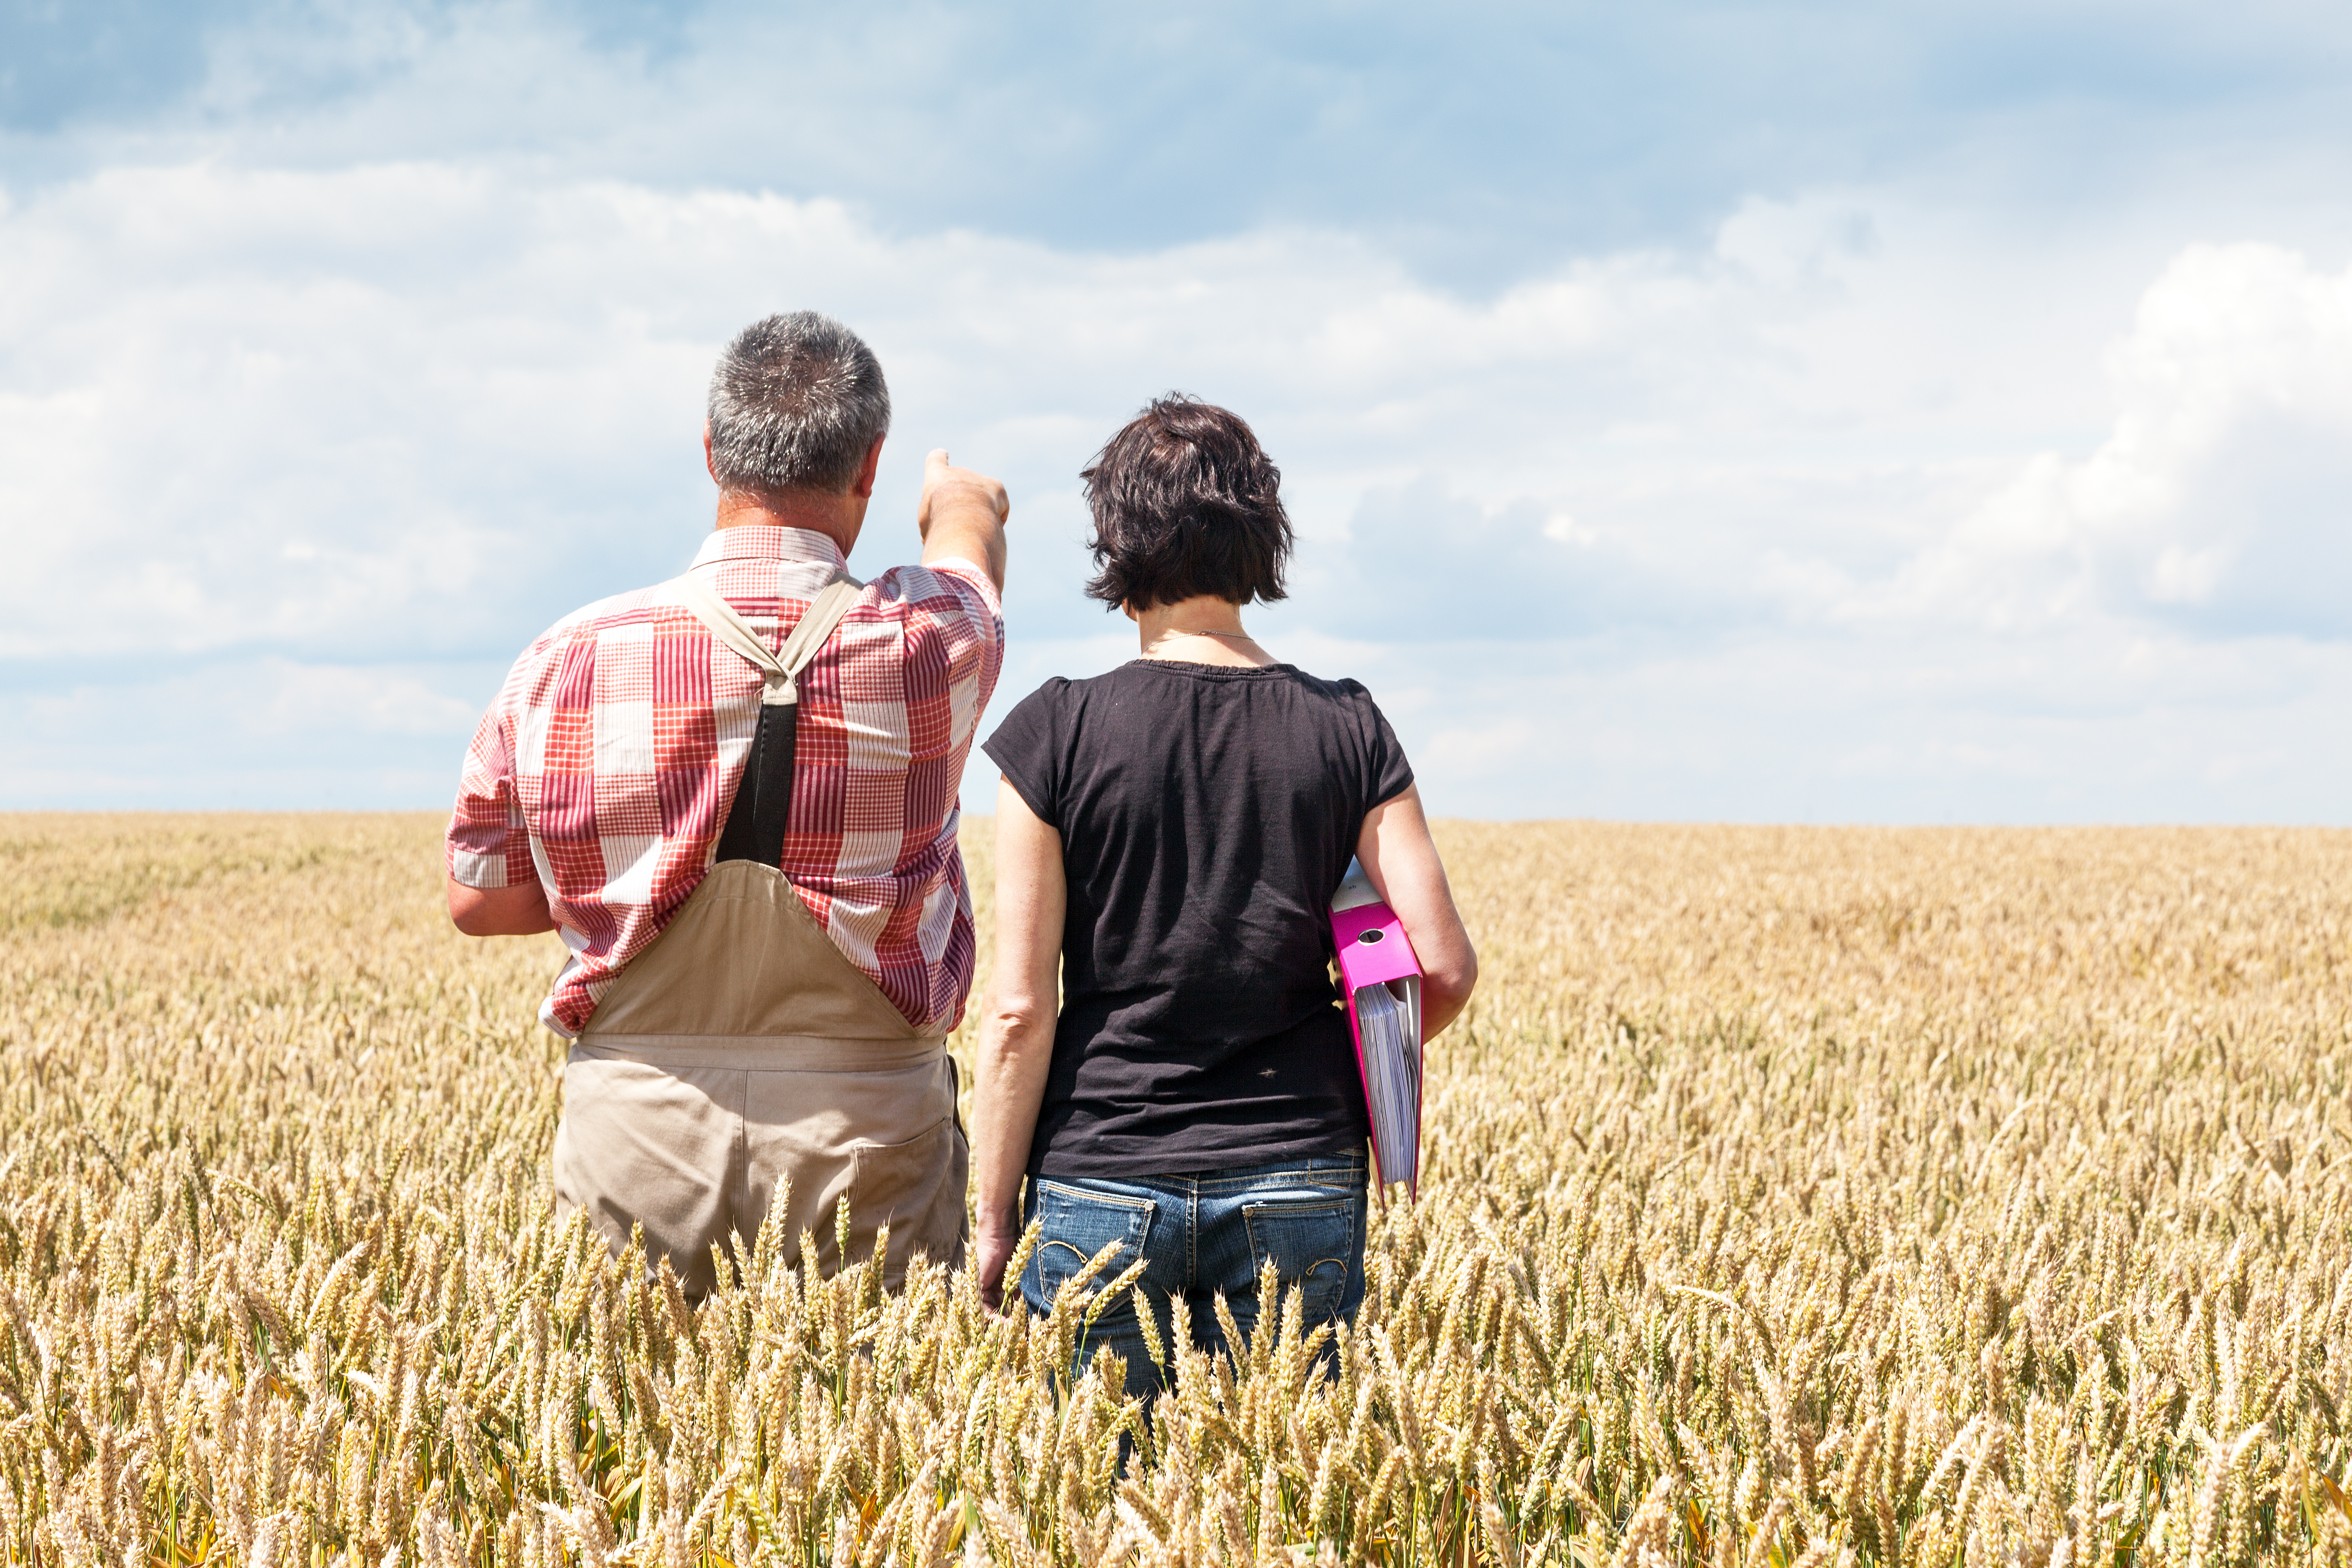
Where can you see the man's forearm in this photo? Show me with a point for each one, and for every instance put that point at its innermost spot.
(499, 911)
(983, 544)
(962, 517)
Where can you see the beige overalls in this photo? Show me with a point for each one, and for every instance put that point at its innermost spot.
(742, 1054)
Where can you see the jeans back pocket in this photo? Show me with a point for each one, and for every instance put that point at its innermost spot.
(1312, 1244)
(1076, 1225)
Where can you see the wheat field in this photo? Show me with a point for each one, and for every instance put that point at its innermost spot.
(1796, 1196)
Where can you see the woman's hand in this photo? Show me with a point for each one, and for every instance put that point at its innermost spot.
(992, 1250)
(1016, 1028)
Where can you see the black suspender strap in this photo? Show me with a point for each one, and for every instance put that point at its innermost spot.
(762, 809)
(763, 800)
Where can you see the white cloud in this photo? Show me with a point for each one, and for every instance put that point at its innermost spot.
(2221, 500)
(140, 730)
(1755, 530)
(356, 410)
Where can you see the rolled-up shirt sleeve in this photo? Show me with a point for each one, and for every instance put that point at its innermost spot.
(489, 845)
(954, 652)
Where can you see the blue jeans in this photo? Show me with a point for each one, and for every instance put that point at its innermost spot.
(1199, 1234)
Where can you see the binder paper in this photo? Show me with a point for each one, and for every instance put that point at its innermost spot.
(1382, 979)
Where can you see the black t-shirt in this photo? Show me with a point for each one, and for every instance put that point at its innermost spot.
(1206, 814)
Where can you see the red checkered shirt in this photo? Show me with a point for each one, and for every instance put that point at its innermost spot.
(605, 768)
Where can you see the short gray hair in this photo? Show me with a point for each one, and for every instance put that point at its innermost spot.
(795, 403)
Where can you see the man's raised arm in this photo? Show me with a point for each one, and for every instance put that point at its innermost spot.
(962, 516)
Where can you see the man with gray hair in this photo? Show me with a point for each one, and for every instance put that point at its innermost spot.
(734, 794)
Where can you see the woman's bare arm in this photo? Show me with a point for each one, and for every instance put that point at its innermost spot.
(1016, 1026)
(1401, 858)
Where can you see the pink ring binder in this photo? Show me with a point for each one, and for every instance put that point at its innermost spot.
(1382, 979)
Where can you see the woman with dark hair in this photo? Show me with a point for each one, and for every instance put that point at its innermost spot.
(1169, 837)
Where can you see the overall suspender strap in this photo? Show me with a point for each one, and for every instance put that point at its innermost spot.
(763, 800)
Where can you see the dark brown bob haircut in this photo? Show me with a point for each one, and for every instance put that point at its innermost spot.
(1186, 503)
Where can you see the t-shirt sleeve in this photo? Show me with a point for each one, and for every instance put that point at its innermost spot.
(1386, 770)
(1027, 749)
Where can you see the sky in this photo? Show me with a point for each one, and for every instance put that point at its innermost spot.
(1794, 412)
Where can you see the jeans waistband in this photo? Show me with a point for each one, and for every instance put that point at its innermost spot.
(1311, 1170)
